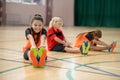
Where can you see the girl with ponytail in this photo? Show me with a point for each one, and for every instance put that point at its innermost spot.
(34, 49)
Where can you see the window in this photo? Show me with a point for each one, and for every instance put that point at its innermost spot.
(16, 1)
(27, 1)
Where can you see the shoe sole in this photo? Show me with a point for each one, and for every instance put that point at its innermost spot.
(33, 58)
(83, 48)
(87, 48)
(43, 56)
(113, 46)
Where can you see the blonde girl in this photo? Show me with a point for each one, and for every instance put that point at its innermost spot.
(56, 40)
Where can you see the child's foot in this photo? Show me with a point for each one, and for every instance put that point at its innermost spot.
(114, 43)
(85, 48)
(82, 48)
(42, 54)
(40, 51)
(33, 56)
(87, 44)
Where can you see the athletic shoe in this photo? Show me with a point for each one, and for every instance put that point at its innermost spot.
(87, 46)
(114, 43)
(42, 54)
(83, 48)
(33, 56)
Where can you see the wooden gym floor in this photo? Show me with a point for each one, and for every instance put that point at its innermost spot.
(59, 66)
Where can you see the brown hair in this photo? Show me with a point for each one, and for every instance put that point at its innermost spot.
(36, 17)
(97, 33)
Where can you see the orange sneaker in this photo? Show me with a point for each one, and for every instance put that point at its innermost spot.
(43, 56)
(113, 46)
(33, 56)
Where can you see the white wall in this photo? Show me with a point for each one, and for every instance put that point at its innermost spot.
(65, 10)
(21, 14)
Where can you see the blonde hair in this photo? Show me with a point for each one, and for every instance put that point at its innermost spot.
(54, 20)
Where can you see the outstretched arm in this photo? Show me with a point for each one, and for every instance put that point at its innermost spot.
(99, 42)
(64, 42)
(43, 41)
(29, 36)
(59, 40)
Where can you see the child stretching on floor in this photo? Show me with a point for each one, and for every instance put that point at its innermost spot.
(34, 49)
(93, 37)
(56, 40)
